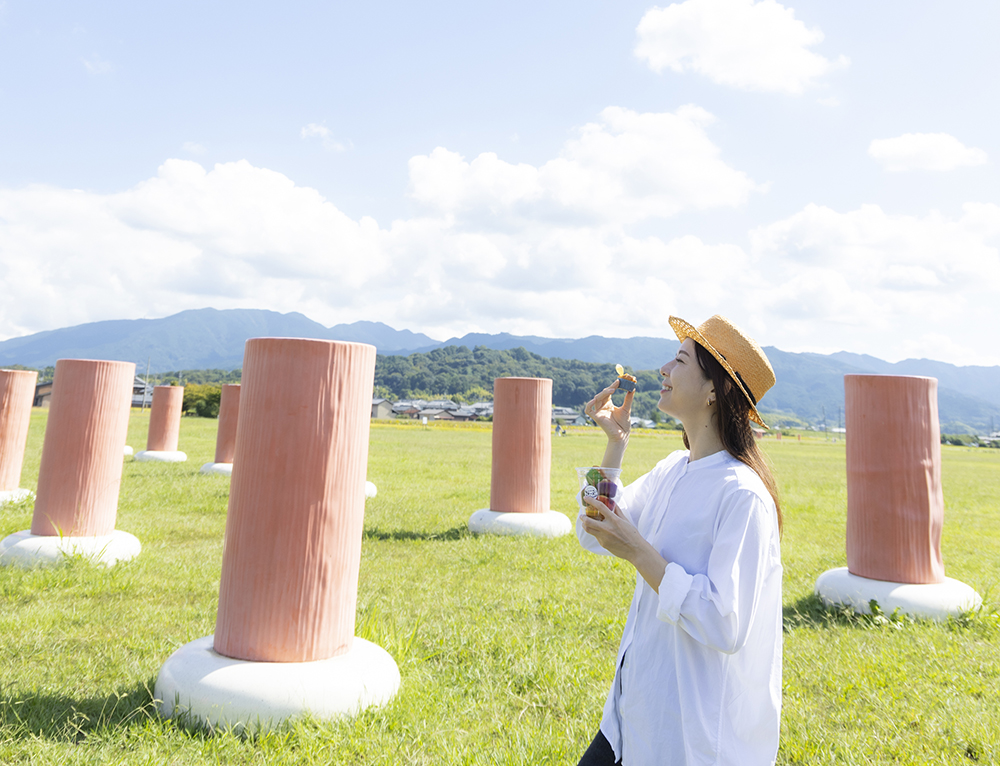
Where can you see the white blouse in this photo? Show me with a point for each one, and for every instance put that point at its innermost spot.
(698, 676)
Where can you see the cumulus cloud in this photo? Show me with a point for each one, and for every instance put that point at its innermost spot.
(627, 167)
(754, 46)
(924, 151)
(884, 284)
(96, 65)
(237, 236)
(313, 130)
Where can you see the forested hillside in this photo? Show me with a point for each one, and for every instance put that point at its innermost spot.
(468, 374)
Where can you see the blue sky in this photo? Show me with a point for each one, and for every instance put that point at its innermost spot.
(825, 174)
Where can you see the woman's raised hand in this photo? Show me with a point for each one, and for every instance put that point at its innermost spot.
(614, 421)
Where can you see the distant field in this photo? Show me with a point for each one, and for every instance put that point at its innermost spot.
(506, 646)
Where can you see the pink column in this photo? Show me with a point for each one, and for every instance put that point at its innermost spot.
(165, 418)
(522, 445)
(229, 412)
(81, 469)
(17, 392)
(292, 550)
(895, 505)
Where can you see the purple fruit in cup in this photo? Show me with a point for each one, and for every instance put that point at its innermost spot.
(606, 488)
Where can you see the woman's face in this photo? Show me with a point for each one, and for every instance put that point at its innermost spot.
(686, 389)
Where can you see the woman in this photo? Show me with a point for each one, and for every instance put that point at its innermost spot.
(698, 677)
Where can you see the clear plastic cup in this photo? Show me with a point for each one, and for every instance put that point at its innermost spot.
(602, 484)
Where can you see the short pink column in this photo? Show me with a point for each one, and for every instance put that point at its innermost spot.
(229, 413)
(17, 391)
(165, 419)
(522, 445)
(290, 563)
(895, 504)
(522, 462)
(81, 470)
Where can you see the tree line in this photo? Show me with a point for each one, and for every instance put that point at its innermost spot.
(453, 372)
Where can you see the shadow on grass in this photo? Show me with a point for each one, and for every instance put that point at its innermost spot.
(811, 612)
(455, 533)
(65, 719)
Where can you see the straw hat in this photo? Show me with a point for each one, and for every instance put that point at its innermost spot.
(743, 359)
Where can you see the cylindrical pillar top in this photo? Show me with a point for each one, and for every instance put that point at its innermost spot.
(229, 412)
(895, 503)
(81, 470)
(522, 445)
(292, 550)
(17, 392)
(165, 418)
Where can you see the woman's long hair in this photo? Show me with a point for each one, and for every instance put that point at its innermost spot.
(733, 411)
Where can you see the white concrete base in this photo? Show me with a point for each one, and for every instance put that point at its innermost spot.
(128, 450)
(546, 524)
(936, 601)
(24, 549)
(198, 682)
(224, 468)
(160, 456)
(370, 489)
(15, 495)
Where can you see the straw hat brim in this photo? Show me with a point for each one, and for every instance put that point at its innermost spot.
(687, 330)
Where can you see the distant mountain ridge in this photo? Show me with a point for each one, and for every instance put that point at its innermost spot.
(809, 386)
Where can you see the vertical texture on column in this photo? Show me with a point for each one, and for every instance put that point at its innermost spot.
(17, 392)
(229, 413)
(895, 504)
(522, 445)
(165, 418)
(81, 470)
(289, 585)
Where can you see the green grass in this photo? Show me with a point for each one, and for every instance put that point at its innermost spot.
(505, 645)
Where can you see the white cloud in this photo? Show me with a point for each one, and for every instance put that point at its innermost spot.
(889, 285)
(625, 168)
(313, 130)
(739, 43)
(924, 151)
(96, 65)
(236, 236)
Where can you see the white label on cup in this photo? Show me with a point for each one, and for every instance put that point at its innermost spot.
(590, 491)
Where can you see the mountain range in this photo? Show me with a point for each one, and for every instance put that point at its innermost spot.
(810, 386)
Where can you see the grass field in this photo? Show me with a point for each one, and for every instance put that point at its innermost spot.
(505, 645)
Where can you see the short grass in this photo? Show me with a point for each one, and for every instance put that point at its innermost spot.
(505, 645)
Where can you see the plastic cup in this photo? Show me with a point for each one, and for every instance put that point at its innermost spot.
(599, 483)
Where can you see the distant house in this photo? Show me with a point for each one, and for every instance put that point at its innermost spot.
(142, 393)
(381, 408)
(433, 413)
(43, 392)
(463, 413)
(568, 416)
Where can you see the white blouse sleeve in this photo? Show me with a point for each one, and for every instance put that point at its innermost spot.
(717, 608)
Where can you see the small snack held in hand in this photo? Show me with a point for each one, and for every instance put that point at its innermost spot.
(626, 382)
(599, 488)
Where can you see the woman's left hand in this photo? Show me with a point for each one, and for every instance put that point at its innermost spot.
(614, 532)
(618, 537)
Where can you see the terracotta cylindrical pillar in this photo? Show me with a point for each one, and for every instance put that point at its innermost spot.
(522, 445)
(292, 550)
(229, 412)
(17, 392)
(81, 469)
(895, 504)
(165, 418)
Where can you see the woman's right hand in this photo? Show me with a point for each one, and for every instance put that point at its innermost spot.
(614, 421)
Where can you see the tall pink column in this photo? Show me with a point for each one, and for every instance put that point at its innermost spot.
(229, 412)
(165, 419)
(17, 391)
(895, 504)
(522, 445)
(292, 550)
(81, 469)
